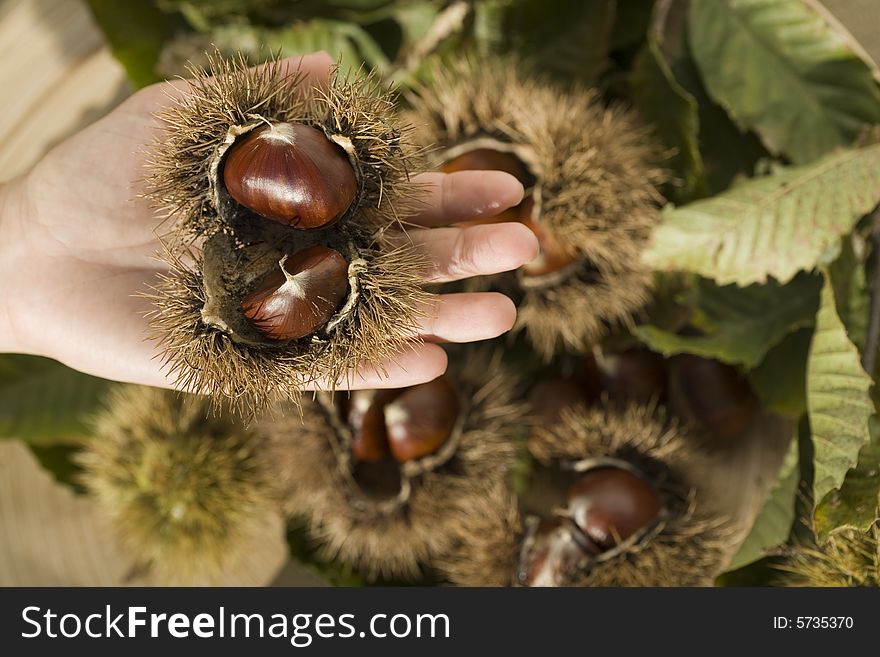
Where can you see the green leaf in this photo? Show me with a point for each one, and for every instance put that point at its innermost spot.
(771, 226)
(42, 402)
(674, 112)
(773, 523)
(60, 462)
(348, 42)
(740, 325)
(856, 503)
(569, 39)
(780, 380)
(780, 68)
(136, 31)
(838, 404)
(851, 293)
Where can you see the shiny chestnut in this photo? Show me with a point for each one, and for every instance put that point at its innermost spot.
(421, 419)
(610, 504)
(366, 418)
(300, 295)
(290, 173)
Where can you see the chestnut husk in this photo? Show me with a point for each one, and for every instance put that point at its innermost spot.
(848, 557)
(398, 531)
(186, 488)
(219, 251)
(593, 176)
(683, 548)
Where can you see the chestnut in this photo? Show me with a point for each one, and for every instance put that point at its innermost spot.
(421, 419)
(300, 295)
(610, 504)
(365, 416)
(635, 375)
(290, 173)
(487, 159)
(712, 394)
(550, 396)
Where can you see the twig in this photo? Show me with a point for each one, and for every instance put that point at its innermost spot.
(449, 21)
(872, 337)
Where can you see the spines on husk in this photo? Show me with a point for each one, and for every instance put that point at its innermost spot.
(848, 558)
(185, 489)
(218, 250)
(595, 174)
(398, 539)
(684, 549)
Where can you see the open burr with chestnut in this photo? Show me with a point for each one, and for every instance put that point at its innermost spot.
(591, 175)
(609, 502)
(379, 475)
(280, 195)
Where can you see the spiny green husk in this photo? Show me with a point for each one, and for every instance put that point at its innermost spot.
(186, 490)
(596, 177)
(222, 355)
(848, 558)
(398, 541)
(685, 549)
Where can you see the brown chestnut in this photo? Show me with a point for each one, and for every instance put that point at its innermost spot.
(549, 397)
(365, 416)
(634, 375)
(300, 295)
(554, 556)
(611, 504)
(487, 159)
(290, 173)
(712, 394)
(421, 419)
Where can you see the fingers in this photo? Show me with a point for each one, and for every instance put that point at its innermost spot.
(458, 253)
(452, 197)
(467, 317)
(420, 364)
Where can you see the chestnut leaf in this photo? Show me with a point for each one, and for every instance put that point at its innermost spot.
(838, 404)
(773, 226)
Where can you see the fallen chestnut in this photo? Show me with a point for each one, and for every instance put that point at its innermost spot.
(610, 504)
(421, 419)
(549, 397)
(713, 395)
(290, 173)
(634, 375)
(300, 295)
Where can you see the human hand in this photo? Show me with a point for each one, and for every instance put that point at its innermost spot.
(78, 243)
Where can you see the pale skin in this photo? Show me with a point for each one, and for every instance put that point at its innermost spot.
(78, 243)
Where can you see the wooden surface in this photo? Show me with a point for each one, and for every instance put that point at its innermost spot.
(50, 536)
(56, 76)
